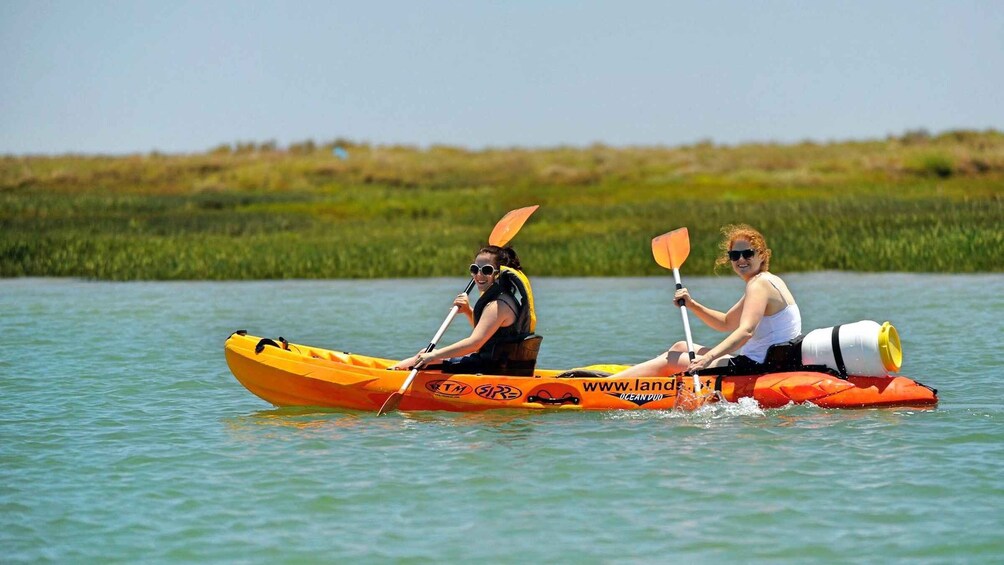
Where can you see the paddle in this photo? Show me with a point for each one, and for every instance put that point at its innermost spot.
(671, 250)
(504, 231)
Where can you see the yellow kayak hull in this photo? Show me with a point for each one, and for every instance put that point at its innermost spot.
(309, 376)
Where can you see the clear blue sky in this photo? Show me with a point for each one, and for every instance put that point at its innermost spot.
(95, 76)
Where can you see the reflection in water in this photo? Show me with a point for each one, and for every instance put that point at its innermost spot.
(511, 427)
(493, 427)
(505, 426)
(319, 421)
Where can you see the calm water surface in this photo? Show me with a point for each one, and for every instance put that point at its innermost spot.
(124, 437)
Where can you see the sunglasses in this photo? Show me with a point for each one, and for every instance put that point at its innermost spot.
(745, 253)
(486, 270)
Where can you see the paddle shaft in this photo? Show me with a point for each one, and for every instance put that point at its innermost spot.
(686, 328)
(394, 399)
(436, 338)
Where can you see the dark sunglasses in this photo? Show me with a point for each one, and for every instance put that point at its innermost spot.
(486, 270)
(745, 253)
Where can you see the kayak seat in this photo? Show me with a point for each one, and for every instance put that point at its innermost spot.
(516, 358)
(519, 358)
(746, 371)
(780, 358)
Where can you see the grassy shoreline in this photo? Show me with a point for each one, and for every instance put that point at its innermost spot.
(916, 203)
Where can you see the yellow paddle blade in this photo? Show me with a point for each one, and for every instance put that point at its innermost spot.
(509, 225)
(671, 249)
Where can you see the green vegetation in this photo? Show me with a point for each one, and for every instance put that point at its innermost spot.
(912, 203)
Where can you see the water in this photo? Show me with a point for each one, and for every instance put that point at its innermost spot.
(124, 437)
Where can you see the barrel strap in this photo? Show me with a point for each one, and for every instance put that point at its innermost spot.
(838, 356)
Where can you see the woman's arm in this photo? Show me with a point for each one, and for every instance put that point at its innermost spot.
(753, 305)
(493, 318)
(463, 304)
(718, 321)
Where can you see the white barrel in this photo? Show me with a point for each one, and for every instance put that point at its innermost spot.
(868, 349)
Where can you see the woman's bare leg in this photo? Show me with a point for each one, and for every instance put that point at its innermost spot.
(669, 363)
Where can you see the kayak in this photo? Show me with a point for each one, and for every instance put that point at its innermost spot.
(287, 374)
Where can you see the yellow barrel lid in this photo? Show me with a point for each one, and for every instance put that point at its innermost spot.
(890, 348)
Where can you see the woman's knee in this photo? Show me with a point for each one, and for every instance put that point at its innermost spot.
(679, 347)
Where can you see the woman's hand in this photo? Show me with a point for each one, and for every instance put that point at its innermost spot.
(463, 303)
(417, 360)
(684, 295)
(404, 364)
(423, 358)
(699, 362)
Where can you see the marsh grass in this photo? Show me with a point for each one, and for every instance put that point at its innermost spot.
(914, 203)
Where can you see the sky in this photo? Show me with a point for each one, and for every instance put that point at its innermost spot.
(182, 76)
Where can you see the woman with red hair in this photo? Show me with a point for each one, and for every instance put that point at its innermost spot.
(766, 314)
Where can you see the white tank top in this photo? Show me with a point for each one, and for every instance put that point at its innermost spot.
(776, 328)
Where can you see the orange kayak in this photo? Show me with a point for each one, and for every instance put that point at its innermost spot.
(300, 375)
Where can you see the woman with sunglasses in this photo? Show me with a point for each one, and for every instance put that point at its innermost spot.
(503, 320)
(766, 314)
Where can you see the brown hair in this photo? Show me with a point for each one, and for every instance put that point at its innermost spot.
(732, 232)
(504, 256)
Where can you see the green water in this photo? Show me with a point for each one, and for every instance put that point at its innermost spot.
(123, 436)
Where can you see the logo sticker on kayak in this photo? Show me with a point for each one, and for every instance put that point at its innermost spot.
(498, 392)
(642, 386)
(448, 388)
(638, 399)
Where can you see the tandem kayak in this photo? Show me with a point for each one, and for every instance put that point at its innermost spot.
(287, 374)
